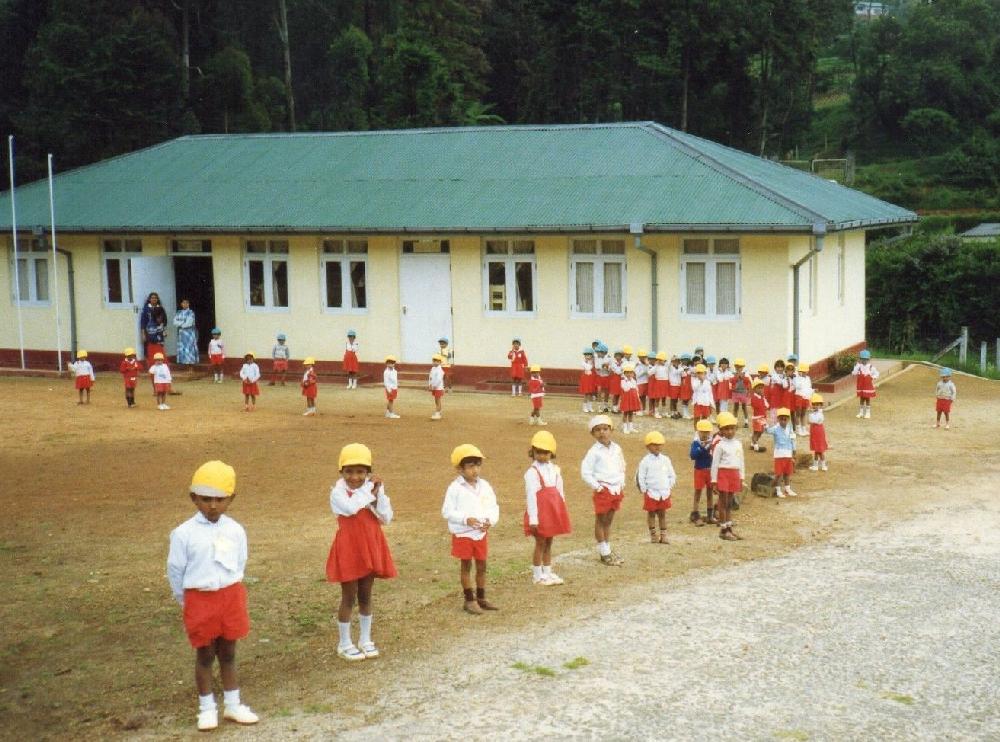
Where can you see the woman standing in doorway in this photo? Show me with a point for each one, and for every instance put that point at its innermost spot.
(153, 326)
(187, 335)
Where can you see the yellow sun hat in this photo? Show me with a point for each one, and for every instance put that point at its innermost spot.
(627, 349)
(763, 368)
(535, 369)
(757, 383)
(628, 367)
(661, 356)
(157, 356)
(725, 419)
(543, 440)
(703, 425)
(654, 436)
(700, 368)
(804, 368)
(437, 357)
(81, 354)
(130, 351)
(214, 479)
(816, 399)
(784, 412)
(250, 353)
(465, 451)
(355, 454)
(642, 353)
(739, 362)
(390, 359)
(309, 361)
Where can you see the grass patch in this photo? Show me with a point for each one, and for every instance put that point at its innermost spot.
(898, 697)
(540, 670)
(796, 734)
(576, 663)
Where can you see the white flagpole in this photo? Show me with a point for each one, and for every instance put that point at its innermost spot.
(55, 266)
(13, 229)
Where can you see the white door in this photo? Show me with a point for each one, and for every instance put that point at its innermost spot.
(149, 275)
(425, 304)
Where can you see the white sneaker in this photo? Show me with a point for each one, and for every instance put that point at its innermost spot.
(208, 720)
(555, 579)
(814, 466)
(369, 650)
(861, 414)
(387, 414)
(822, 466)
(790, 492)
(240, 714)
(436, 416)
(778, 492)
(868, 413)
(540, 422)
(350, 653)
(393, 416)
(531, 419)
(657, 415)
(543, 581)
(308, 413)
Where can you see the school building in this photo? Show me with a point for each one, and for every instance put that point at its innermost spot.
(633, 233)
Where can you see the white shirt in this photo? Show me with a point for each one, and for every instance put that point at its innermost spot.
(629, 384)
(83, 368)
(604, 466)
(280, 352)
(463, 501)
(602, 365)
(661, 372)
(803, 386)
(865, 369)
(946, 390)
(701, 392)
(435, 379)
(215, 347)
(728, 454)
(161, 373)
(205, 555)
(353, 346)
(588, 368)
(816, 417)
(553, 478)
(674, 374)
(390, 379)
(250, 372)
(641, 372)
(656, 476)
(344, 502)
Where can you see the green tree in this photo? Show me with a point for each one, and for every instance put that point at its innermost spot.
(350, 80)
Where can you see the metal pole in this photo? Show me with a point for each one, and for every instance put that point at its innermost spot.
(982, 358)
(55, 266)
(13, 229)
(963, 347)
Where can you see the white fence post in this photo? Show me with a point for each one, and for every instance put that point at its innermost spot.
(982, 358)
(963, 347)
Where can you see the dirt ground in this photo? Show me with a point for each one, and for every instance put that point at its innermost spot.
(93, 643)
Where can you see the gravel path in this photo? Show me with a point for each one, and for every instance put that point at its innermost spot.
(884, 634)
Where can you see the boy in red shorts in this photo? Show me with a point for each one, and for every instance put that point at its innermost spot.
(603, 469)
(470, 507)
(208, 554)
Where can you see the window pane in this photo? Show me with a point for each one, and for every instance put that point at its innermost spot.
(523, 284)
(256, 282)
(23, 290)
(41, 279)
(279, 246)
(497, 280)
(585, 247)
(696, 247)
(359, 292)
(256, 246)
(524, 247)
(359, 247)
(112, 267)
(279, 283)
(725, 288)
(613, 247)
(112, 246)
(496, 247)
(727, 247)
(695, 273)
(334, 285)
(584, 287)
(613, 288)
(133, 245)
(333, 246)
(130, 296)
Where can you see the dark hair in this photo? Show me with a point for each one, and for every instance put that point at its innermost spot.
(723, 360)
(532, 449)
(151, 295)
(470, 460)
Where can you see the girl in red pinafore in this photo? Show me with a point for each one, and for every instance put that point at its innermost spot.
(309, 386)
(518, 365)
(630, 403)
(865, 374)
(545, 515)
(359, 552)
(588, 380)
(817, 434)
(350, 362)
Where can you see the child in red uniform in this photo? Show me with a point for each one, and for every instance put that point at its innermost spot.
(760, 408)
(309, 386)
(350, 362)
(84, 374)
(518, 363)
(536, 388)
(470, 507)
(130, 368)
(208, 554)
(630, 403)
(775, 388)
(250, 376)
(740, 386)
(817, 434)
(217, 355)
(588, 380)
(865, 374)
(545, 514)
(728, 473)
(655, 478)
(684, 394)
(615, 379)
(359, 552)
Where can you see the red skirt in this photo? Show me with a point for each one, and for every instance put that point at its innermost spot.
(391, 394)
(359, 549)
(603, 382)
(209, 614)
(216, 359)
(702, 410)
(684, 393)
(516, 370)
(723, 390)
(630, 401)
(729, 480)
(865, 386)
(536, 403)
(614, 384)
(161, 388)
(653, 388)
(943, 405)
(651, 506)
(588, 384)
(131, 381)
(787, 399)
(817, 438)
(553, 517)
(643, 389)
(279, 365)
(673, 390)
(309, 391)
(83, 382)
(350, 363)
(801, 403)
(251, 388)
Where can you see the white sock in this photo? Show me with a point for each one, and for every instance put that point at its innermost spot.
(231, 698)
(536, 572)
(345, 634)
(603, 548)
(366, 628)
(207, 703)
(546, 569)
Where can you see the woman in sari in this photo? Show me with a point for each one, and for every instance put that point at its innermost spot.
(153, 326)
(187, 335)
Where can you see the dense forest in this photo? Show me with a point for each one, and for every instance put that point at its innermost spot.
(88, 80)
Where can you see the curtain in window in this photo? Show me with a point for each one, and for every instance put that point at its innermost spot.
(359, 292)
(522, 282)
(725, 288)
(584, 287)
(256, 268)
(334, 285)
(695, 273)
(279, 283)
(613, 288)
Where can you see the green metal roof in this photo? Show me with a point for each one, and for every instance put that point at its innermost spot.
(479, 179)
